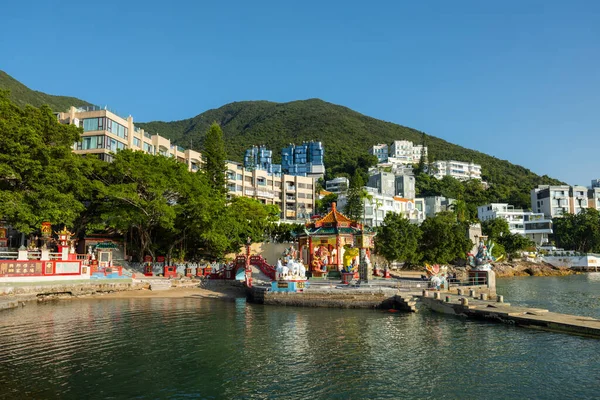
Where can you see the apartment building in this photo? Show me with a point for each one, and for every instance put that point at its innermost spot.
(305, 159)
(392, 184)
(295, 195)
(380, 151)
(554, 201)
(436, 204)
(337, 185)
(105, 133)
(259, 157)
(533, 225)
(377, 205)
(594, 198)
(405, 152)
(460, 170)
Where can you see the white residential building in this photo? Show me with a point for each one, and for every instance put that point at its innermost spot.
(377, 205)
(436, 204)
(532, 225)
(380, 151)
(460, 170)
(405, 152)
(337, 185)
(554, 201)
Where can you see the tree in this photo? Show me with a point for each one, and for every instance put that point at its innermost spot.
(140, 194)
(498, 231)
(242, 219)
(444, 239)
(323, 205)
(214, 152)
(40, 177)
(580, 232)
(354, 200)
(398, 240)
(495, 228)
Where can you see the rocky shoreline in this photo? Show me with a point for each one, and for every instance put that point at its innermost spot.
(524, 268)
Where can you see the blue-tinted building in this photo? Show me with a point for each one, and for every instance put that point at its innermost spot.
(258, 157)
(305, 159)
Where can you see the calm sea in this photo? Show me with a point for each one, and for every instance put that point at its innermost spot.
(212, 349)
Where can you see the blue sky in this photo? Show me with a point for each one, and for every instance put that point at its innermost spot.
(518, 80)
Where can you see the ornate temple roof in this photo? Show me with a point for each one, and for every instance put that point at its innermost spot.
(334, 223)
(335, 217)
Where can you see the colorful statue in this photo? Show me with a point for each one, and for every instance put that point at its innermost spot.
(483, 259)
(350, 254)
(437, 275)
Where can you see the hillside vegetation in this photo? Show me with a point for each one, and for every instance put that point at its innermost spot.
(346, 135)
(22, 95)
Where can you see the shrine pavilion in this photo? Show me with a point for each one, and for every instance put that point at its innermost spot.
(321, 245)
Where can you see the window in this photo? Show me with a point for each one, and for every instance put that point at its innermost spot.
(137, 142)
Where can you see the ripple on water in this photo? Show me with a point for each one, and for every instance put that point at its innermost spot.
(174, 348)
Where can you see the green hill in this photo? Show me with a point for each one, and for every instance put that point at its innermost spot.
(346, 135)
(22, 95)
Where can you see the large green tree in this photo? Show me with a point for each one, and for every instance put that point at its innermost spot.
(580, 232)
(444, 239)
(398, 240)
(40, 178)
(354, 198)
(215, 157)
(139, 195)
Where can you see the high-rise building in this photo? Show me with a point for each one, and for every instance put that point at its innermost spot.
(305, 159)
(259, 157)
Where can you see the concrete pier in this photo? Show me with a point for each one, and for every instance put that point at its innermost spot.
(498, 311)
(336, 297)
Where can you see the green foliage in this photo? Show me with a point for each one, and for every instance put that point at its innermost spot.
(323, 205)
(283, 233)
(497, 230)
(354, 200)
(214, 152)
(444, 239)
(346, 136)
(39, 175)
(580, 232)
(21, 95)
(398, 240)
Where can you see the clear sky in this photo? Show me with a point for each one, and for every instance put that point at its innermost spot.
(519, 80)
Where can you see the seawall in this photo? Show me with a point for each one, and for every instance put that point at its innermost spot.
(373, 298)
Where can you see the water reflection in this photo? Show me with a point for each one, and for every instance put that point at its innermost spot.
(173, 348)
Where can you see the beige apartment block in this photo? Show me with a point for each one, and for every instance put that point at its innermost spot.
(295, 195)
(105, 133)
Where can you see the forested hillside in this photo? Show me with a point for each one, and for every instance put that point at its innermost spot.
(346, 135)
(22, 95)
